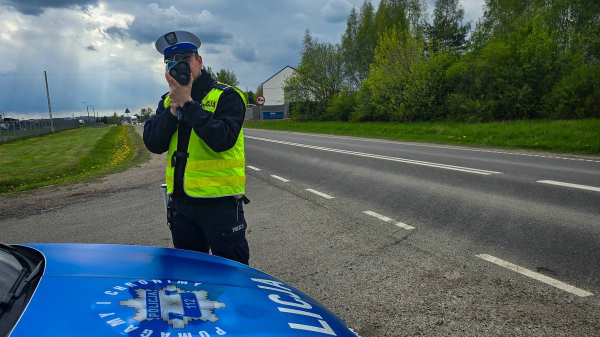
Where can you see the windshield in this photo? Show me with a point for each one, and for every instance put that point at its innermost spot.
(9, 271)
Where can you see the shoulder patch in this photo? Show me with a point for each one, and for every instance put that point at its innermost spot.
(220, 86)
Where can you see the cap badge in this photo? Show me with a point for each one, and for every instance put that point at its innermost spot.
(171, 38)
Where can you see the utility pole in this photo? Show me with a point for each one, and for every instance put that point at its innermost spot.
(86, 108)
(93, 110)
(49, 106)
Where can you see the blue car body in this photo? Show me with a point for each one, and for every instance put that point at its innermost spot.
(110, 290)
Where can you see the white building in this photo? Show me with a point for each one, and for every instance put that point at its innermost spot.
(273, 90)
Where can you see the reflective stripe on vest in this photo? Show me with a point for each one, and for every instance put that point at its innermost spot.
(210, 174)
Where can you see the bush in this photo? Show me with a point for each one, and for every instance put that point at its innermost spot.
(465, 109)
(305, 111)
(341, 106)
(577, 95)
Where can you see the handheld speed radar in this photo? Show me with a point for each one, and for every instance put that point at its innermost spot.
(180, 71)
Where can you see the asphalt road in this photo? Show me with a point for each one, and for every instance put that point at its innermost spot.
(419, 271)
(492, 201)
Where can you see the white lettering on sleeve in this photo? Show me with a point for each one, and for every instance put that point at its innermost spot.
(300, 304)
(326, 329)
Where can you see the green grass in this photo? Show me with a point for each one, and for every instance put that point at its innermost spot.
(573, 136)
(68, 156)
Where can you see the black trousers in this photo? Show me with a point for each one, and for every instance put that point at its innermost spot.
(217, 224)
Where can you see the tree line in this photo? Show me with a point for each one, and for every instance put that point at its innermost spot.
(531, 59)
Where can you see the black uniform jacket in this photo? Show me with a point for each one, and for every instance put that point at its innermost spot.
(219, 130)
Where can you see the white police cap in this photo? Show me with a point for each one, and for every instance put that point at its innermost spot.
(179, 40)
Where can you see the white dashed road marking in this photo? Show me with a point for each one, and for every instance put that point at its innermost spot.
(278, 177)
(362, 154)
(319, 193)
(254, 168)
(386, 219)
(582, 187)
(536, 276)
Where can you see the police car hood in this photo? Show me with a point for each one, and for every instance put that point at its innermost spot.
(111, 290)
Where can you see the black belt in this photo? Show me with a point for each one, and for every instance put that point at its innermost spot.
(178, 154)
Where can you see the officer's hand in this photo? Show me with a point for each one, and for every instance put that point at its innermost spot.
(174, 107)
(179, 93)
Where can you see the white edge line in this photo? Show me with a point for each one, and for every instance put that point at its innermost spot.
(278, 177)
(386, 219)
(581, 187)
(409, 161)
(326, 196)
(450, 146)
(254, 168)
(536, 276)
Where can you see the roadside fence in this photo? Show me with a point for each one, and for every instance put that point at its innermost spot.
(10, 130)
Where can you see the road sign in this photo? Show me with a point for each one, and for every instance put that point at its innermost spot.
(260, 100)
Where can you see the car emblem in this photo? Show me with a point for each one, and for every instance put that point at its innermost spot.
(159, 306)
(175, 306)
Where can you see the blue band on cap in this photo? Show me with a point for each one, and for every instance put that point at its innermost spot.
(170, 50)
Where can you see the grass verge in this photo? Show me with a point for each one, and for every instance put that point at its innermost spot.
(573, 136)
(68, 156)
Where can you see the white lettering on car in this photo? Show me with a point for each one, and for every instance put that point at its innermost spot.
(131, 328)
(146, 333)
(320, 327)
(116, 321)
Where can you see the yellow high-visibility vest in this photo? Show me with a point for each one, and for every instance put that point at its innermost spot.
(210, 174)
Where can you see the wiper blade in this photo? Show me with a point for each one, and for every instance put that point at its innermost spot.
(34, 273)
(11, 293)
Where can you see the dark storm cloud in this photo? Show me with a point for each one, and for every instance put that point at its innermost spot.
(91, 48)
(116, 32)
(210, 50)
(37, 7)
(155, 21)
(244, 53)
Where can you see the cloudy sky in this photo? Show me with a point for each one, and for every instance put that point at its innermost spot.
(102, 52)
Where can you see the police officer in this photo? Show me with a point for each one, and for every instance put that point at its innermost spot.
(205, 172)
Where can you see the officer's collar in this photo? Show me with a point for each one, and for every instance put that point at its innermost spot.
(202, 86)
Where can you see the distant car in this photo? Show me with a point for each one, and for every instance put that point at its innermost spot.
(113, 290)
(3, 126)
